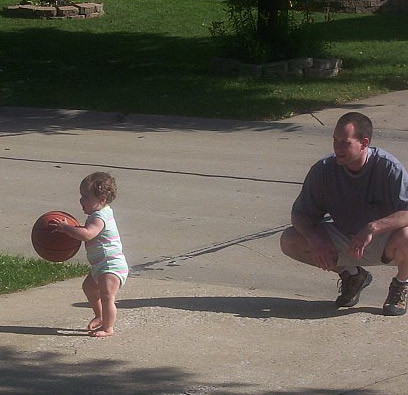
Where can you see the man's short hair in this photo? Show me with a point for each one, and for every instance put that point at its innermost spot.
(362, 124)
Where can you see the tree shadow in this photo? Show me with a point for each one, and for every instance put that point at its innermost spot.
(147, 74)
(144, 74)
(248, 307)
(15, 121)
(47, 373)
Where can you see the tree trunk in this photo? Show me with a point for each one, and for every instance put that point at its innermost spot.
(270, 13)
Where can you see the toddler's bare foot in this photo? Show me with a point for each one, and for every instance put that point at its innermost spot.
(95, 323)
(102, 333)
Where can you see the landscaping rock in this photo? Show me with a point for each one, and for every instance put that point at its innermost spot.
(320, 73)
(291, 68)
(327, 64)
(80, 10)
(295, 73)
(250, 69)
(98, 8)
(299, 63)
(45, 12)
(67, 11)
(363, 6)
(275, 69)
(86, 9)
(25, 11)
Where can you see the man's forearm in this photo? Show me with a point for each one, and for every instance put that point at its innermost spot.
(390, 223)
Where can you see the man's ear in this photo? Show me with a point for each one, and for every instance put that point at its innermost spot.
(365, 142)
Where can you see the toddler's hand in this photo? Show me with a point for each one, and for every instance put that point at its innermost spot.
(58, 225)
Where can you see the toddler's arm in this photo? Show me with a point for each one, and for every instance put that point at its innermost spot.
(82, 233)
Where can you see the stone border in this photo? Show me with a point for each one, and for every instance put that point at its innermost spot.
(367, 6)
(74, 11)
(297, 68)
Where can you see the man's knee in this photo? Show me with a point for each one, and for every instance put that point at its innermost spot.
(397, 246)
(288, 241)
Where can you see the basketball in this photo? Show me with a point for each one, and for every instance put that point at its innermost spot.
(50, 245)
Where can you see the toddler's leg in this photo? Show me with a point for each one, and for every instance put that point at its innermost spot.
(108, 285)
(91, 291)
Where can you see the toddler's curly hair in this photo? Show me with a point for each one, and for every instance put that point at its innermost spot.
(102, 185)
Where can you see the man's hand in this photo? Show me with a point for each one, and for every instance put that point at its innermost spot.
(323, 252)
(320, 248)
(360, 241)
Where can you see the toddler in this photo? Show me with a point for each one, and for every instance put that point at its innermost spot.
(103, 246)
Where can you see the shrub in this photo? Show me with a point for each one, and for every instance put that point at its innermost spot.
(250, 35)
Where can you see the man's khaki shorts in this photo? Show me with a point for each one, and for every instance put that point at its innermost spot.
(373, 254)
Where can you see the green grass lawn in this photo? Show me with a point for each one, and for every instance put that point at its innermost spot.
(151, 57)
(18, 273)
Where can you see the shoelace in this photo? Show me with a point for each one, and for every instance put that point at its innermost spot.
(398, 294)
(343, 286)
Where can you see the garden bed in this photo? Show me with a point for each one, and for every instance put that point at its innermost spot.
(66, 11)
(296, 68)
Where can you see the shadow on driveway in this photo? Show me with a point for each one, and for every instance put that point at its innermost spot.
(248, 307)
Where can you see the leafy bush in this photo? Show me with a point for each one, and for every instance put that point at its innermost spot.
(292, 33)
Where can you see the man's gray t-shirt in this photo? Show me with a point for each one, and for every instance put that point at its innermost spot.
(353, 200)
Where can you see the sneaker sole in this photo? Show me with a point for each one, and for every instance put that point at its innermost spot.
(393, 312)
(365, 284)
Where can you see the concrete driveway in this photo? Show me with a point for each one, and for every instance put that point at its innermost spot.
(212, 305)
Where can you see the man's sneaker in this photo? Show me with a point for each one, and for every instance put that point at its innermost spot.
(396, 302)
(351, 286)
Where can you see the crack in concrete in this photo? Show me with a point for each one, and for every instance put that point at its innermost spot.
(209, 249)
(317, 119)
(164, 171)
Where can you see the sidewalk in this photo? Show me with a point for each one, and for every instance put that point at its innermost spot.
(212, 305)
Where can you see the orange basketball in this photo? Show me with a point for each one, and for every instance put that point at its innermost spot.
(54, 246)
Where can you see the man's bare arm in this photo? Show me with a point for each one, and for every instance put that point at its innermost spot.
(359, 242)
(390, 223)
